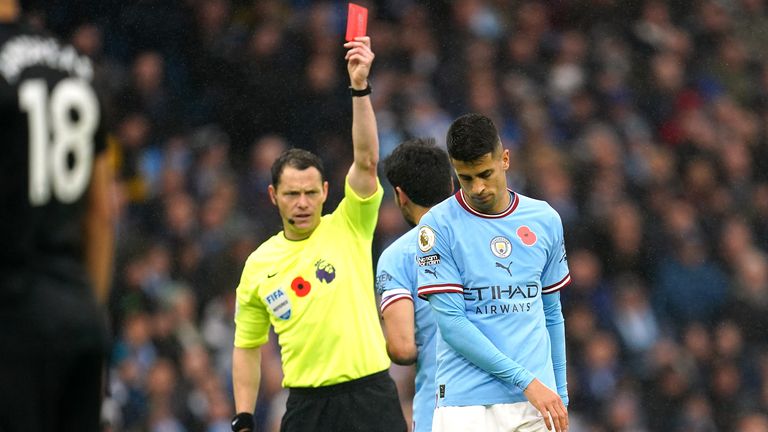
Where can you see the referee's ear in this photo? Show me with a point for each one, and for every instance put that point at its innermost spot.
(325, 190)
(272, 194)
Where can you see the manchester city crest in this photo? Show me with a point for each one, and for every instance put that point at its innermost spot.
(501, 246)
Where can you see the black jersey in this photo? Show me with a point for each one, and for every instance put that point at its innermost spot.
(50, 134)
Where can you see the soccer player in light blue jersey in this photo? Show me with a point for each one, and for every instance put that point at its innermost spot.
(420, 174)
(492, 263)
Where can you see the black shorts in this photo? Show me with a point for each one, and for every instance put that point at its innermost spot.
(368, 404)
(53, 341)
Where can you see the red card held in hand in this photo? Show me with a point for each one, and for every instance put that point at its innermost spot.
(357, 21)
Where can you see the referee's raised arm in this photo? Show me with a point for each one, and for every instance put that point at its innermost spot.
(365, 140)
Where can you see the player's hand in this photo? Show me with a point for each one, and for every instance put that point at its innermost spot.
(359, 59)
(549, 405)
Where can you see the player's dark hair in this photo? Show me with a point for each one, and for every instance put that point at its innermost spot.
(421, 170)
(296, 158)
(472, 136)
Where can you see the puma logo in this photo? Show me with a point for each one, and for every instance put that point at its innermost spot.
(432, 272)
(505, 267)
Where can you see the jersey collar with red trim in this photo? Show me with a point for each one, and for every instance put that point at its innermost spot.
(513, 202)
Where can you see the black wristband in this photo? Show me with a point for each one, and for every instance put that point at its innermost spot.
(242, 421)
(364, 92)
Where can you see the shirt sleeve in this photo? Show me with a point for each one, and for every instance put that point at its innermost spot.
(361, 213)
(392, 281)
(251, 315)
(555, 275)
(556, 329)
(437, 271)
(470, 342)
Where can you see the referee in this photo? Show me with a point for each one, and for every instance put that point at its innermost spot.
(313, 283)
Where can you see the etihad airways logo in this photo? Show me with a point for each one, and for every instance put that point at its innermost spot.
(497, 299)
(498, 292)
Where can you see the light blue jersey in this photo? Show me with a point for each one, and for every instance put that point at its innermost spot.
(493, 282)
(395, 281)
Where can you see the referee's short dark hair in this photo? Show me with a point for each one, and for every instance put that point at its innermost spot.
(296, 158)
(421, 169)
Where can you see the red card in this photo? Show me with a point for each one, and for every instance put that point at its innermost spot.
(357, 21)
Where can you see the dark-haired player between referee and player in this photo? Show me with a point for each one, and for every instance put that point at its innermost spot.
(56, 233)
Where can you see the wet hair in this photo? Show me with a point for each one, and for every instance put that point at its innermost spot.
(472, 136)
(296, 158)
(421, 169)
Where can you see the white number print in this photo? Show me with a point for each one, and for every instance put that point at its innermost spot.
(61, 126)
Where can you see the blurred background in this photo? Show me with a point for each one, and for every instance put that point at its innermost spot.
(643, 123)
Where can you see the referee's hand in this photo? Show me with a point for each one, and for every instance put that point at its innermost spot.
(359, 60)
(242, 422)
(549, 405)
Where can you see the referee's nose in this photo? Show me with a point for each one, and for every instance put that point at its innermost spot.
(303, 201)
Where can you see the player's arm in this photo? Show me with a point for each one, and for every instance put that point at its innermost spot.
(538, 394)
(556, 328)
(365, 140)
(399, 330)
(554, 277)
(464, 337)
(99, 228)
(394, 272)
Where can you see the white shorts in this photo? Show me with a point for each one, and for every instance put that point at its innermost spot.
(514, 417)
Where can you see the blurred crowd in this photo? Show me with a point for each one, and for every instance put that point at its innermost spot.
(643, 123)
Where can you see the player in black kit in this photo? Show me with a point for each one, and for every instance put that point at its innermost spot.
(56, 234)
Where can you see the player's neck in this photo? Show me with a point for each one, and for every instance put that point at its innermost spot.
(504, 202)
(500, 207)
(417, 212)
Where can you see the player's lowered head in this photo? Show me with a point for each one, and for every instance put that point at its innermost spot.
(420, 173)
(299, 190)
(480, 162)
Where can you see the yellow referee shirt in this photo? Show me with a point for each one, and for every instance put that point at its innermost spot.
(318, 294)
